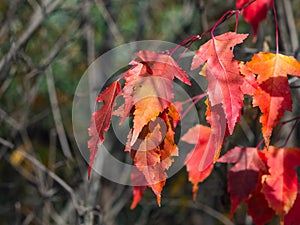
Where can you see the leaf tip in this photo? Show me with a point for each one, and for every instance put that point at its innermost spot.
(195, 190)
(158, 198)
(89, 172)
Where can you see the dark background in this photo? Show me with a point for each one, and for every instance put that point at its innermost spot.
(45, 47)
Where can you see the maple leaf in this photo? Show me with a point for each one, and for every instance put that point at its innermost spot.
(101, 118)
(149, 83)
(293, 217)
(254, 13)
(163, 65)
(244, 176)
(194, 158)
(280, 186)
(273, 93)
(138, 180)
(258, 207)
(250, 84)
(154, 149)
(222, 72)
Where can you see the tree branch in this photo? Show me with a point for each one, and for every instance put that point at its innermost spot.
(34, 22)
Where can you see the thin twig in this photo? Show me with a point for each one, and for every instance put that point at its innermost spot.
(56, 114)
(9, 120)
(110, 22)
(35, 21)
(205, 208)
(64, 41)
(290, 133)
(95, 186)
(290, 20)
(6, 143)
(79, 208)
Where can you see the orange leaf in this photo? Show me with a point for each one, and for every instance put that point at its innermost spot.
(154, 149)
(222, 72)
(100, 119)
(273, 95)
(148, 87)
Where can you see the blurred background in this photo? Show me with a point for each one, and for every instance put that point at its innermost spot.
(45, 47)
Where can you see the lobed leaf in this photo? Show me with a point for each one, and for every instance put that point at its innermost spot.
(100, 120)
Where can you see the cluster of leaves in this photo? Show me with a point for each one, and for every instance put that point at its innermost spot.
(265, 177)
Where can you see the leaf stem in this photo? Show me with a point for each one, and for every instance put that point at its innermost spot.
(259, 144)
(236, 21)
(276, 26)
(187, 42)
(290, 120)
(226, 16)
(290, 134)
(195, 99)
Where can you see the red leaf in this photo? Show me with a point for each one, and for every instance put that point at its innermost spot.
(222, 72)
(293, 217)
(138, 189)
(100, 119)
(273, 95)
(255, 12)
(281, 185)
(244, 176)
(163, 65)
(194, 158)
(259, 209)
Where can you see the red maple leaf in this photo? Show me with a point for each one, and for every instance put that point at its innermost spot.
(293, 217)
(254, 13)
(244, 176)
(273, 93)
(223, 75)
(200, 136)
(258, 207)
(100, 119)
(280, 187)
(139, 186)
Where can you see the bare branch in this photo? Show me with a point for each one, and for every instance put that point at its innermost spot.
(34, 22)
(56, 114)
(6, 143)
(111, 23)
(79, 208)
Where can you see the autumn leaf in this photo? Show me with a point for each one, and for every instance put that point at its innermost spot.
(273, 93)
(149, 87)
(250, 84)
(222, 73)
(198, 135)
(293, 217)
(154, 149)
(280, 186)
(163, 65)
(244, 176)
(254, 13)
(138, 183)
(258, 207)
(101, 118)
